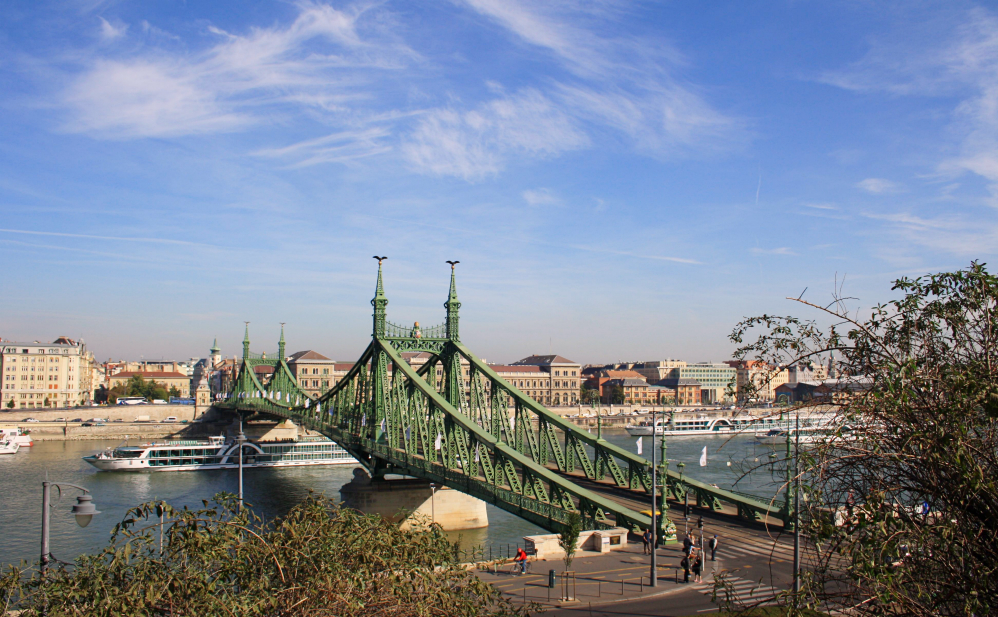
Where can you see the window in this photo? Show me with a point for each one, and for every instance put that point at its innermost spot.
(557, 373)
(315, 371)
(304, 371)
(325, 371)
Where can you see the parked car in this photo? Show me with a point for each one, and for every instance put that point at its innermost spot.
(87, 424)
(77, 420)
(59, 420)
(170, 419)
(117, 420)
(30, 420)
(158, 401)
(98, 419)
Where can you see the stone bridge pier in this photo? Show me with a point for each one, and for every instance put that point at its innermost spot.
(411, 501)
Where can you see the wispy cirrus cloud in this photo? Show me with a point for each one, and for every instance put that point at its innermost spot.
(477, 143)
(541, 197)
(236, 82)
(953, 54)
(879, 186)
(783, 250)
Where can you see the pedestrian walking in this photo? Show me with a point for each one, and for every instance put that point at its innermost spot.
(685, 565)
(713, 548)
(697, 568)
(646, 538)
(687, 544)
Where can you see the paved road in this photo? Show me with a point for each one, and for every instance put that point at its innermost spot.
(755, 561)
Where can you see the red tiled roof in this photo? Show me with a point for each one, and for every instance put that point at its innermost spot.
(307, 355)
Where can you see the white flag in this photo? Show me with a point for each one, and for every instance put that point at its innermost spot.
(318, 408)
(307, 402)
(476, 452)
(640, 439)
(408, 433)
(703, 457)
(436, 444)
(363, 420)
(383, 426)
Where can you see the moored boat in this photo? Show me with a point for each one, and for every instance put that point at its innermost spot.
(219, 453)
(21, 437)
(9, 447)
(706, 425)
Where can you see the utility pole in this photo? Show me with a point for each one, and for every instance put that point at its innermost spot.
(240, 439)
(654, 507)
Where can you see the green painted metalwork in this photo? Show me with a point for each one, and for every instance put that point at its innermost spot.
(474, 432)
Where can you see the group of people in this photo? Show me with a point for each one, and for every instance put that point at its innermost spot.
(694, 556)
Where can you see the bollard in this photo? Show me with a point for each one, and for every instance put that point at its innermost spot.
(551, 579)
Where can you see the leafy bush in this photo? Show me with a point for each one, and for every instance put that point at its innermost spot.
(320, 559)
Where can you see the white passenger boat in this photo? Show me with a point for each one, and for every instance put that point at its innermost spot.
(778, 436)
(18, 436)
(9, 447)
(219, 453)
(704, 425)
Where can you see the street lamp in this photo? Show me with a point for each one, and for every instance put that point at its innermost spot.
(84, 510)
(240, 439)
(433, 509)
(654, 507)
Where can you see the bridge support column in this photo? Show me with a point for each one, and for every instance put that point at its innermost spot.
(411, 501)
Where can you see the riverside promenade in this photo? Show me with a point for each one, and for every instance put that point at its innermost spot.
(755, 563)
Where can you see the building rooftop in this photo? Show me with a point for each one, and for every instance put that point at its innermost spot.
(308, 354)
(546, 361)
(673, 382)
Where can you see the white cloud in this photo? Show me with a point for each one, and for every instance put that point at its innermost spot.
(783, 250)
(954, 234)
(234, 83)
(625, 82)
(110, 32)
(821, 206)
(879, 186)
(477, 143)
(955, 53)
(541, 197)
(337, 147)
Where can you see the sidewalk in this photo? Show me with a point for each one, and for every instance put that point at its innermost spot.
(599, 577)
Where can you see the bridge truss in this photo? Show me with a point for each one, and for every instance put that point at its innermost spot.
(454, 421)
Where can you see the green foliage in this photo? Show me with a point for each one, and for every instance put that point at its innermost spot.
(616, 395)
(916, 398)
(568, 539)
(138, 386)
(173, 392)
(317, 560)
(10, 404)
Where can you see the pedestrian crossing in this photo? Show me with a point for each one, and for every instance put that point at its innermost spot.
(743, 591)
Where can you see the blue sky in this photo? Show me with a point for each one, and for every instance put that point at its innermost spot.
(620, 180)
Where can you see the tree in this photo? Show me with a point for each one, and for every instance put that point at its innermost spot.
(616, 395)
(10, 404)
(568, 539)
(319, 559)
(903, 499)
(174, 392)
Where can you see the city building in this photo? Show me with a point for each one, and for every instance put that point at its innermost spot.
(36, 375)
(167, 379)
(559, 376)
(764, 378)
(794, 392)
(679, 391)
(657, 370)
(315, 372)
(813, 372)
(715, 379)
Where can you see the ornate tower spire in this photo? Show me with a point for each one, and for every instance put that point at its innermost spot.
(214, 347)
(280, 345)
(380, 303)
(452, 305)
(246, 343)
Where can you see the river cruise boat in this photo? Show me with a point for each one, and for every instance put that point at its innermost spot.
(219, 453)
(18, 436)
(8, 447)
(704, 425)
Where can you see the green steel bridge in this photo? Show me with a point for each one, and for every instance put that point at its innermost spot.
(476, 432)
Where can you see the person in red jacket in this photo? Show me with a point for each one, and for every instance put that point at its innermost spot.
(521, 559)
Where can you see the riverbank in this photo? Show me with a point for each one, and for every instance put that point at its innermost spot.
(113, 422)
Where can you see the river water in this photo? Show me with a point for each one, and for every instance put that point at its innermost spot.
(272, 492)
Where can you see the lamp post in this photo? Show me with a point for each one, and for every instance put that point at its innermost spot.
(433, 507)
(240, 439)
(686, 502)
(654, 506)
(84, 510)
(796, 510)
